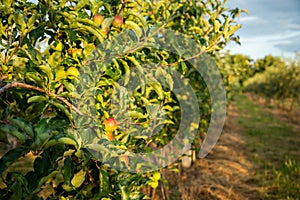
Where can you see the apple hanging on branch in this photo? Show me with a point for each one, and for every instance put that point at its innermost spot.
(110, 125)
(109, 135)
(118, 21)
(98, 19)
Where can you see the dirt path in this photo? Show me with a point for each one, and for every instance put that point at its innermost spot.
(243, 163)
(225, 173)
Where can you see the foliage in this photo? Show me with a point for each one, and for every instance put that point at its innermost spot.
(279, 80)
(44, 49)
(235, 70)
(286, 185)
(268, 61)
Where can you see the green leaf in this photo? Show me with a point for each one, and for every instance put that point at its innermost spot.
(124, 193)
(134, 27)
(104, 186)
(22, 125)
(36, 99)
(161, 74)
(141, 18)
(106, 23)
(78, 178)
(19, 19)
(217, 25)
(232, 29)
(62, 108)
(89, 29)
(81, 4)
(98, 147)
(47, 70)
(10, 157)
(3, 137)
(34, 77)
(127, 72)
(44, 180)
(68, 141)
(88, 49)
(41, 127)
(136, 63)
(135, 114)
(67, 170)
(62, 3)
(13, 131)
(20, 183)
(158, 89)
(69, 86)
(31, 21)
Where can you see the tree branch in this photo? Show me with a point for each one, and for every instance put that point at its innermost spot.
(16, 48)
(31, 87)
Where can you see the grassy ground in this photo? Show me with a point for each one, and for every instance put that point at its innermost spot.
(256, 157)
(274, 147)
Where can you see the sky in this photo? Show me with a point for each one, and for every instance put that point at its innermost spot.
(271, 27)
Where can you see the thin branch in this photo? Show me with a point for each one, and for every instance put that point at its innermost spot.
(192, 57)
(20, 85)
(186, 59)
(31, 87)
(69, 104)
(123, 6)
(16, 48)
(4, 122)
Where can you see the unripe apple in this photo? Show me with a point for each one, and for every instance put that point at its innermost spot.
(118, 21)
(98, 19)
(110, 124)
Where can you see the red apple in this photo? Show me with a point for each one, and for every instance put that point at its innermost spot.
(98, 19)
(110, 136)
(117, 22)
(110, 124)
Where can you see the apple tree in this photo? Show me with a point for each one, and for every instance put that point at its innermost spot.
(62, 74)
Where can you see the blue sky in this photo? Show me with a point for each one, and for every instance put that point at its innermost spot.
(271, 27)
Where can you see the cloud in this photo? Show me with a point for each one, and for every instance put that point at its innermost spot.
(289, 44)
(271, 27)
(248, 19)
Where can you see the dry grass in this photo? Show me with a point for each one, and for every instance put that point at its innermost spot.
(255, 143)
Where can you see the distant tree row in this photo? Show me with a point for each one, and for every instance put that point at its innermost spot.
(276, 78)
(271, 77)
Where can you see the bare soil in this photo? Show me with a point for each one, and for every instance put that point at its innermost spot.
(229, 171)
(226, 173)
